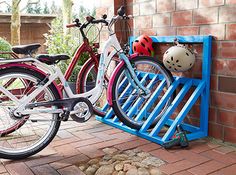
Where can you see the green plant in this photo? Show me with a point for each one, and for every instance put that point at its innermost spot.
(58, 43)
(4, 47)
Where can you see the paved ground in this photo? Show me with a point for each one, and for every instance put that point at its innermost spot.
(76, 143)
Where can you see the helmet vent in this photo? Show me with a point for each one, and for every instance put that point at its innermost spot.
(187, 54)
(136, 41)
(143, 44)
(172, 58)
(190, 64)
(149, 50)
(134, 48)
(168, 61)
(167, 52)
(145, 39)
(177, 61)
(179, 65)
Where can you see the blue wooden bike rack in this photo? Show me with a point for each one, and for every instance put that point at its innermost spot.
(201, 91)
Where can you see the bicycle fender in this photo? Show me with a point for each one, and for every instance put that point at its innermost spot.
(33, 68)
(112, 79)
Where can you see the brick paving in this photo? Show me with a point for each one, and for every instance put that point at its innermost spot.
(76, 143)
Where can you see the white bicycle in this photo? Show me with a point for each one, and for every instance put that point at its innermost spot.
(29, 92)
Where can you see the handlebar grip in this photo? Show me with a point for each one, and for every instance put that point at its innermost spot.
(121, 11)
(71, 25)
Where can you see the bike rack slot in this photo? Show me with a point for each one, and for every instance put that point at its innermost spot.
(189, 91)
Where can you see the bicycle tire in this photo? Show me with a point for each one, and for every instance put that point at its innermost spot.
(83, 84)
(26, 134)
(120, 103)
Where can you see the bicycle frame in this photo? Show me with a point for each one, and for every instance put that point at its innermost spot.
(54, 72)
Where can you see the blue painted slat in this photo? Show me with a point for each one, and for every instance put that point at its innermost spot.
(188, 105)
(137, 104)
(185, 126)
(151, 100)
(159, 106)
(171, 108)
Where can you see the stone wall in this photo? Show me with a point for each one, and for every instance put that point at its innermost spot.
(197, 17)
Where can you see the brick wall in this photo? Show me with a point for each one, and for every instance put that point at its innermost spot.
(32, 29)
(199, 17)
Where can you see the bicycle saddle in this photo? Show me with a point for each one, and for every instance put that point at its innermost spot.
(26, 49)
(51, 59)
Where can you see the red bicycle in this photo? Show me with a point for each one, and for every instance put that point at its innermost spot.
(86, 78)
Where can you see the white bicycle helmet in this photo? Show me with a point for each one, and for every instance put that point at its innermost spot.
(178, 58)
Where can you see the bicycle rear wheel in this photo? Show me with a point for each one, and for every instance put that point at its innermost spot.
(126, 100)
(35, 131)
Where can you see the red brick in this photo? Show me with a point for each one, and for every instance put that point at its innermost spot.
(166, 156)
(225, 150)
(230, 1)
(199, 146)
(162, 19)
(147, 8)
(216, 30)
(231, 31)
(182, 18)
(166, 31)
(229, 134)
(193, 30)
(150, 32)
(227, 117)
(139, 22)
(165, 5)
(224, 100)
(214, 82)
(226, 160)
(136, 10)
(207, 3)
(183, 173)
(212, 114)
(44, 169)
(149, 147)
(205, 16)
(186, 4)
(206, 168)
(14, 168)
(191, 157)
(91, 151)
(43, 160)
(63, 141)
(215, 49)
(228, 49)
(66, 150)
(85, 142)
(227, 14)
(83, 135)
(71, 170)
(215, 130)
(131, 144)
(176, 167)
(224, 67)
(226, 171)
(77, 159)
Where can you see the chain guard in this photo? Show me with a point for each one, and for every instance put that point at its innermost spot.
(84, 108)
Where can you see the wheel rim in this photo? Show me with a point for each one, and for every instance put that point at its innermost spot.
(32, 134)
(125, 92)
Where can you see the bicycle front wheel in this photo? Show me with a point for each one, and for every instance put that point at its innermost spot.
(33, 132)
(127, 101)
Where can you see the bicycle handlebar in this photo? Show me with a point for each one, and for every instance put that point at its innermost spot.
(92, 20)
